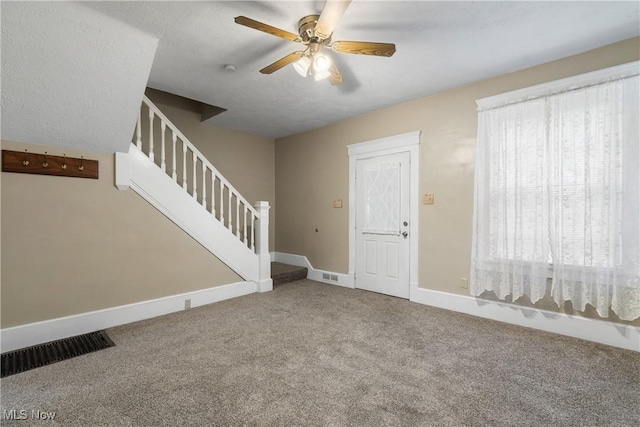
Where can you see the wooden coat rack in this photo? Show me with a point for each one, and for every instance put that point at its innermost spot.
(46, 164)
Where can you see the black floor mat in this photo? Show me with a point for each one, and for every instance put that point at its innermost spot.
(28, 358)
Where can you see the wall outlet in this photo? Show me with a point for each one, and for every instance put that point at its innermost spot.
(464, 283)
(187, 304)
(337, 203)
(429, 199)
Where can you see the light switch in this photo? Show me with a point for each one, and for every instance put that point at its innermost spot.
(429, 199)
(337, 203)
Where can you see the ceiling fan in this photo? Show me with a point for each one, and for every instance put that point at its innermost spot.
(315, 33)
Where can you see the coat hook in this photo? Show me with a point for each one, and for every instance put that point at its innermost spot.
(64, 161)
(25, 162)
(45, 164)
(81, 167)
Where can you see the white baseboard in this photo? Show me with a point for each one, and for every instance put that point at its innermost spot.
(324, 276)
(609, 333)
(297, 260)
(63, 327)
(344, 280)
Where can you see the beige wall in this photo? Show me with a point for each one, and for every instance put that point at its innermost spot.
(1, 243)
(72, 245)
(312, 170)
(246, 161)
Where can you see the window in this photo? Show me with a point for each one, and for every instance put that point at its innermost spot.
(558, 193)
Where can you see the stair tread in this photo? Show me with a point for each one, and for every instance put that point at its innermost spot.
(284, 273)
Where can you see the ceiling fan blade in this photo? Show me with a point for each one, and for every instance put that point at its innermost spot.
(248, 22)
(335, 78)
(282, 62)
(330, 16)
(364, 48)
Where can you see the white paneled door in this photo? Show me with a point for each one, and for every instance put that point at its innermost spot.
(382, 224)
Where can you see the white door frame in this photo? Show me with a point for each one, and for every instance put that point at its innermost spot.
(407, 142)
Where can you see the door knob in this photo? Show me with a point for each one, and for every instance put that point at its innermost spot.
(405, 234)
(405, 223)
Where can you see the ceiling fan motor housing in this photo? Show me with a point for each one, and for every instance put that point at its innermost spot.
(307, 29)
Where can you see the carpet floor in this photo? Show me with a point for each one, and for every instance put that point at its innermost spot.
(319, 355)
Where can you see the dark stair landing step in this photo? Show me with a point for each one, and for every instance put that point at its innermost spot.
(284, 273)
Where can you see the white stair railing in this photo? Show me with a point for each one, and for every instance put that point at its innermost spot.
(189, 168)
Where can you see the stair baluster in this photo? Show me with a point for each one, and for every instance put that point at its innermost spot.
(163, 127)
(139, 132)
(244, 224)
(184, 165)
(230, 217)
(221, 202)
(151, 116)
(174, 175)
(204, 185)
(237, 218)
(213, 194)
(194, 183)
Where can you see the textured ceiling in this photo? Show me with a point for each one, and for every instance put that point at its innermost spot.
(71, 76)
(440, 45)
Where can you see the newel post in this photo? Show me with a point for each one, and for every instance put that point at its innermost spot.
(262, 247)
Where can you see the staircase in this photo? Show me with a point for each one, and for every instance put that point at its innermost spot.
(284, 273)
(168, 171)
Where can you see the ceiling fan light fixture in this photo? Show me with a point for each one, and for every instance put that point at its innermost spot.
(302, 66)
(321, 62)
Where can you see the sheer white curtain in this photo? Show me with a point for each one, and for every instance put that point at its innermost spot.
(557, 197)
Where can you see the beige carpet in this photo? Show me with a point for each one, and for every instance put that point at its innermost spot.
(315, 354)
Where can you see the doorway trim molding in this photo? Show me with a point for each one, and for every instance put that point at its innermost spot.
(406, 142)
